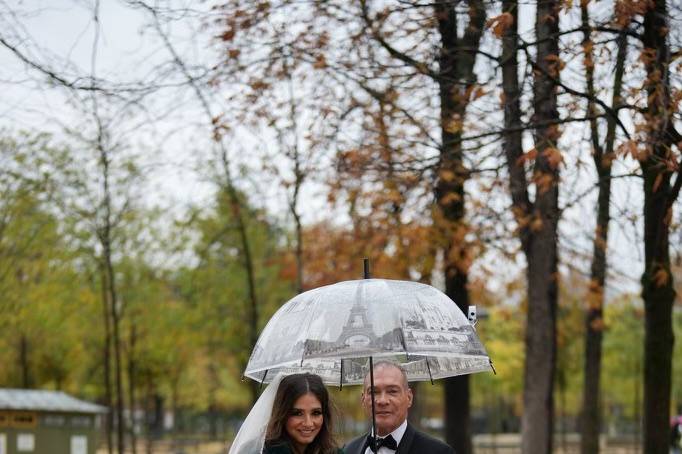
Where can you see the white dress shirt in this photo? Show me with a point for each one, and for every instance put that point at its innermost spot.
(397, 435)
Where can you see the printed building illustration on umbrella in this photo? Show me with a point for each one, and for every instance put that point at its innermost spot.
(428, 328)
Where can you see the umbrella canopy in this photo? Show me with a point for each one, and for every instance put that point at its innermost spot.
(333, 330)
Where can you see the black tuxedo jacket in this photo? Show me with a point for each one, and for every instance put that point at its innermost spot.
(413, 442)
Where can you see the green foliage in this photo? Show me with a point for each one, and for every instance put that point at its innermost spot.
(217, 290)
(40, 308)
(623, 356)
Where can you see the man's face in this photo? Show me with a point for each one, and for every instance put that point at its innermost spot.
(392, 399)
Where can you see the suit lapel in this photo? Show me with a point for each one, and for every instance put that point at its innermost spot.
(406, 442)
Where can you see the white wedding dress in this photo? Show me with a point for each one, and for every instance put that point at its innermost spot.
(251, 436)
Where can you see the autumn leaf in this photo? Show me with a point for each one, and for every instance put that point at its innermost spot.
(544, 182)
(500, 24)
(478, 93)
(449, 198)
(259, 85)
(630, 148)
(228, 35)
(661, 277)
(536, 224)
(454, 125)
(553, 156)
(554, 64)
(528, 156)
(447, 175)
(320, 62)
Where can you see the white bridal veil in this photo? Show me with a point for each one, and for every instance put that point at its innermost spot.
(251, 435)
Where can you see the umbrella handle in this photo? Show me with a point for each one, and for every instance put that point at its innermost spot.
(373, 439)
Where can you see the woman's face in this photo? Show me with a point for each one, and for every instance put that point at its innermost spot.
(305, 420)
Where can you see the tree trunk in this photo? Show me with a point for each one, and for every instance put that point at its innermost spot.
(590, 422)
(657, 281)
(106, 352)
(24, 364)
(538, 220)
(455, 80)
(131, 386)
(540, 340)
(148, 409)
(299, 177)
(105, 240)
(247, 260)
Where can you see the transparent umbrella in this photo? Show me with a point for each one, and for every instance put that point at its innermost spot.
(336, 331)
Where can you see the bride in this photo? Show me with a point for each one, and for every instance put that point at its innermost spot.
(292, 416)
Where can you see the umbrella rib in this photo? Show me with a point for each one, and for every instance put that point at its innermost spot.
(263, 380)
(428, 366)
(402, 339)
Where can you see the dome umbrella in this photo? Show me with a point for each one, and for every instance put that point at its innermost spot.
(339, 330)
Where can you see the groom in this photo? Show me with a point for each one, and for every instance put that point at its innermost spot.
(392, 399)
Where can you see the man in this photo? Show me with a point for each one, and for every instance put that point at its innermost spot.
(392, 399)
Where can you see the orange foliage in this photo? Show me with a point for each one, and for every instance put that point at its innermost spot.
(661, 277)
(500, 24)
(553, 156)
(530, 155)
(332, 254)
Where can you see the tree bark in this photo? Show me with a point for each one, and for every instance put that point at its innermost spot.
(659, 194)
(538, 220)
(590, 423)
(106, 352)
(455, 81)
(105, 237)
(132, 382)
(299, 176)
(540, 340)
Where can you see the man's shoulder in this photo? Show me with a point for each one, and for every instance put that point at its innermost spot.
(434, 445)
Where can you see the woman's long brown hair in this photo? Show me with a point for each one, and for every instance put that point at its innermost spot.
(290, 389)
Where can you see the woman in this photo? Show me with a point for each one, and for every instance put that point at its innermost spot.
(293, 415)
(301, 421)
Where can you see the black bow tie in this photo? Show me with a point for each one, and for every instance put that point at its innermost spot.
(388, 442)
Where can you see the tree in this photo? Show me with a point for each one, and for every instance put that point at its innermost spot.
(537, 219)
(603, 153)
(660, 165)
(216, 286)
